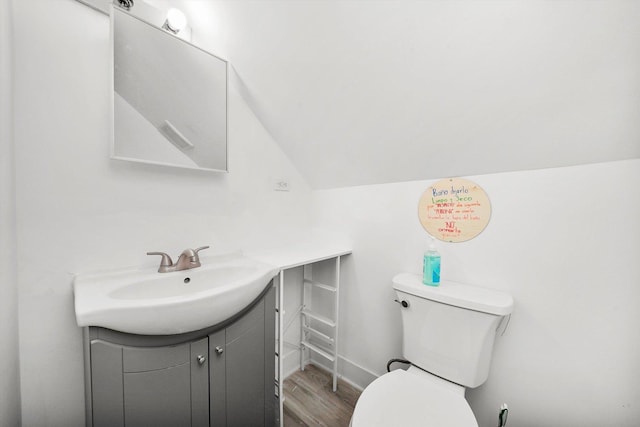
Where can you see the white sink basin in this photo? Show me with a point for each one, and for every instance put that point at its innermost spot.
(143, 301)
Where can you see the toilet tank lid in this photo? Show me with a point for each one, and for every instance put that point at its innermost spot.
(456, 294)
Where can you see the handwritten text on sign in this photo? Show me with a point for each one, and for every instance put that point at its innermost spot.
(454, 210)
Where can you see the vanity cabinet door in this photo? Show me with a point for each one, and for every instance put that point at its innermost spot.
(156, 386)
(245, 371)
(200, 383)
(242, 369)
(218, 379)
(150, 386)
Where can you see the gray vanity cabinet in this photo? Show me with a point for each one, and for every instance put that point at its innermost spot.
(220, 376)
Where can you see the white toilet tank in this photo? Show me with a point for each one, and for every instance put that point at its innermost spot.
(449, 330)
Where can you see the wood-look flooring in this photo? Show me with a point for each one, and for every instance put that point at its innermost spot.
(310, 400)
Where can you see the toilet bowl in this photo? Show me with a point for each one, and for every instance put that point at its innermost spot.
(448, 334)
(412, 398)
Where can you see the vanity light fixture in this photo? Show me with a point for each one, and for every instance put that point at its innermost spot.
(125, 4)
(175, 21)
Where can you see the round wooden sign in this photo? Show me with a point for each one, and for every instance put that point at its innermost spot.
(454, 210)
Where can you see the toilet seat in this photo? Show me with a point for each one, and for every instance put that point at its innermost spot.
(412, 398)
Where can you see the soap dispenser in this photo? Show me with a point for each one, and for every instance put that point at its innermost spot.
(431, 265)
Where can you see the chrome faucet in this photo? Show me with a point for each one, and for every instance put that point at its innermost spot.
(188, 259)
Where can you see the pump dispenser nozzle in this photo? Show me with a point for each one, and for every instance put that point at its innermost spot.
(432, 244)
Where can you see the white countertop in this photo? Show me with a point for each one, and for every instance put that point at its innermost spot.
(297, 254)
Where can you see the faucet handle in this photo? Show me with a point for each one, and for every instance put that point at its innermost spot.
(166, 259)
(200, 248)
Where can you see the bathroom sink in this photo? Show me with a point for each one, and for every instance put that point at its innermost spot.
(143, 301)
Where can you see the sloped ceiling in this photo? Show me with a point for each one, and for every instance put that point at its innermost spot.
(363, 92)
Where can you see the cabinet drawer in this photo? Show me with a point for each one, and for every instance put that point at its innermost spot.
(137, 359)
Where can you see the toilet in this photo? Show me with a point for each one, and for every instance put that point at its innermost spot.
(448, 334)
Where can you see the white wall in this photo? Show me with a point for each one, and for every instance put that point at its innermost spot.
(564, 242)
(79, 211)
(556, 241)
(9, 365)
(353, 88)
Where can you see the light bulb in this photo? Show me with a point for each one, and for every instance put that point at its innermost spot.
(176, 20)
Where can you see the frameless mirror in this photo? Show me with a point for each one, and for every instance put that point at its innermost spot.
(169, 98)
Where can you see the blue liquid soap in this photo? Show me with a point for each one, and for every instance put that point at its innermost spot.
(431, 266)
